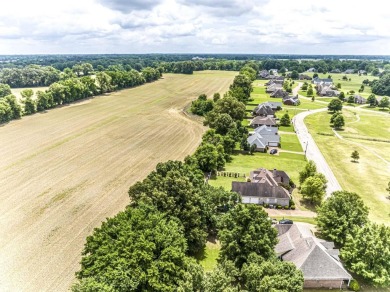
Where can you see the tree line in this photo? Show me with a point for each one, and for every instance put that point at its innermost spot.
(154, 244)
(70, 89)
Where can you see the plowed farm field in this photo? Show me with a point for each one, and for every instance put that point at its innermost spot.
(64, 171)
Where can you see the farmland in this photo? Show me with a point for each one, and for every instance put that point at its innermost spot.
(64, 171)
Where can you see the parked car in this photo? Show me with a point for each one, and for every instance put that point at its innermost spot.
(273, 151)
(286, 221)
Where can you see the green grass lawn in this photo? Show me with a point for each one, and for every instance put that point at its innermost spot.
(290, 142)
(245, 163)
(208, 259)
(368, 177)
(377, 109)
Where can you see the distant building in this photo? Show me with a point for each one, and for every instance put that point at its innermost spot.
(291, 100)
(264, 110)
(349, 71)
(263, 121)
(278, 93)
(359, 99)
(323, 81)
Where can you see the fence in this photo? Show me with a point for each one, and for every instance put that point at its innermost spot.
(230, 174)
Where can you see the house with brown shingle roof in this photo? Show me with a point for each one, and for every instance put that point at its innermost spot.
(316, 258)
(265, 186)
(263, 121)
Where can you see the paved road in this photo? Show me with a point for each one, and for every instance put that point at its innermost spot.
(313, 152)
(311, 149)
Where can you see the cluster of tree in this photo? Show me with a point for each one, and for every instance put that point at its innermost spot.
(247, 260)
(287, 85)
(312, 183)
(373, 102)
(150, 246)
(202, 105)
(337, 120)
(382, 85)
(343, 218)
(29, 76)
(71, 89)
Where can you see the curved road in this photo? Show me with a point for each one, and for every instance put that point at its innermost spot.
(313, 152)
(311, 149)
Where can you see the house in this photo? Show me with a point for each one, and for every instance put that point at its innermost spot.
(324, 81)
(274, 72)
(311, 70)
(274, 81)
(291, 100)
(304, 77)
(263, 74)
(362, 72)
(273, 105)
(359, 99)
(264, 137)
(316, 258)
(326, 90)
(335, 71)
(273, 87)
(261, 121)
(263, 110)
(278, 93)
(349, 71)
(265, 186)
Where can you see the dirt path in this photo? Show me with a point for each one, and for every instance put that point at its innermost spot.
(64, 171)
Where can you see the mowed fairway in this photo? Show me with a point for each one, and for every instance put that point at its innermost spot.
(64, 171)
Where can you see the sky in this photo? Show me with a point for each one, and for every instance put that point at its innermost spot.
(197, 26)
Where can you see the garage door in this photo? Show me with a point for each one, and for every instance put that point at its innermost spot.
(250, 200)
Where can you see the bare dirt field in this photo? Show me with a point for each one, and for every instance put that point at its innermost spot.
(64, 171)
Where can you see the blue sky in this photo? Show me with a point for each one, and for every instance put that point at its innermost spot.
(198, 26)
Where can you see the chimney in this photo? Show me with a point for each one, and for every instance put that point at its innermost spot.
(274, 172)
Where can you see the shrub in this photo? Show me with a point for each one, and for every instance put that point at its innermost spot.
(286, 207)
(354, 285)
(266, 205)
(292, 207)
(278, 207)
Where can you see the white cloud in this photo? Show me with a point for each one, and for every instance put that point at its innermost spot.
(221, 26)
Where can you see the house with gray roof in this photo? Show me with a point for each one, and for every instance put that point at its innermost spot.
(273, 87)
(263, 110)
(324, 81)
(265, 186)
(327, 90)
(349, 71)
(359, 99)
(263, 121)
(316, 258)
(291, 100)
(274, 105)
(263, 74)
(279, 93)
(264, 137)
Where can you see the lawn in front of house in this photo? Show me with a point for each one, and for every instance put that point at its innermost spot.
(290, 142)
(291, 163)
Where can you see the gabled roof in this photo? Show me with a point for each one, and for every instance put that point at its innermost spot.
(265, 131)
(263, 110)
(315, 258)
(268, 121)
(273, 104)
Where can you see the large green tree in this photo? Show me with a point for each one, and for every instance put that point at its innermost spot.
(271, 275)
(209, 157)
(339, 214)
(175, 188)
(366, 252)
(244, 83)
(5, 90)
(313, 189)
(231, 106)
(309, 170)
(335, 105)
(222, 123)
(246, 229)
(140, 249)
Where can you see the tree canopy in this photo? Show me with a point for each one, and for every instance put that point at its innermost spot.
(335, 105)
(339, 214)
(139, 249)
(366, 252)
(243, 230)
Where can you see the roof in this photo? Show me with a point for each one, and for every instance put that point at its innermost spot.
(263, 110)
(251, 189)
(268, 121)
(278, 93)
(273, 104)
(274, 176)
(314, 257)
